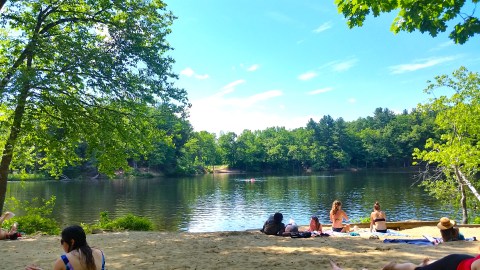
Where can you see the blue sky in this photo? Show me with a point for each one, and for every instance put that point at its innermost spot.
(256, 64)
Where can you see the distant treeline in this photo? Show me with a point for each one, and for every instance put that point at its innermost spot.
(384, 140)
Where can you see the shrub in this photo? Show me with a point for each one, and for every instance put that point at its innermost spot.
(37, 216)
(128, 222)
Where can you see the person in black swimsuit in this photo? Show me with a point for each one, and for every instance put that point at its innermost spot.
(378, 220)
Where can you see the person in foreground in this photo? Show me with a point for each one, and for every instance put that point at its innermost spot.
(449, 262)
(79, 256)
(448, 230)
(10, 234)
(337, 215)
(378, 220)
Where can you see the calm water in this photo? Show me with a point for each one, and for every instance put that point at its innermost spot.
(234, 202)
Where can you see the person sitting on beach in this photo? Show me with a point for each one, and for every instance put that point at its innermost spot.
(274, 225)
(315, 225)
(378, 220)
(11, 234)
(337, 215)
(448, 230)
(79, 255)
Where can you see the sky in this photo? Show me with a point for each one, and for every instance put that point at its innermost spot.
(254, 64)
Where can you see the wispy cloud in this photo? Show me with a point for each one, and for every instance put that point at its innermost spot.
(320, 91)
(323, 27)
(233, 84)
(307, 76)
(443, 45)
(280, 17)
(344, 65)
(189, 72)
(352, 100)
(420, 64)
(253, 67)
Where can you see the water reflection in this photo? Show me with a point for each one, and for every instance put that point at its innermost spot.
(234, 202)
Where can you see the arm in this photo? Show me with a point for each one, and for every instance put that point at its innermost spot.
(372, 218)
(59, 265)
(332, 218)
(345, 216)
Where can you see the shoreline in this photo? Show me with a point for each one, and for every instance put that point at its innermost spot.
(238, 250)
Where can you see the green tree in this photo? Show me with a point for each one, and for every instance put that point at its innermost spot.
(432, 16)
(457, 153)
(83, 71)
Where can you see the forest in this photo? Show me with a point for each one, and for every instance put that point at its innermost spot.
(383, 140)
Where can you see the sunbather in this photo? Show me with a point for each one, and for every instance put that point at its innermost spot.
(337, 215)
(449, 262)
(10, 234)
(80, 256)
(378, 220)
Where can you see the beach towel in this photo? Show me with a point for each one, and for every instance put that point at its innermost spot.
(418, 242)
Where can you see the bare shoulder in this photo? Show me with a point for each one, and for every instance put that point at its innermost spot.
(59, 265)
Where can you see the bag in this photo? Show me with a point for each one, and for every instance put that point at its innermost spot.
(301, 235)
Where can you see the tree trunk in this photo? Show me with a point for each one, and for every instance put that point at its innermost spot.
(468, 183)
(463, 199)
(10, 145)
(14, 132)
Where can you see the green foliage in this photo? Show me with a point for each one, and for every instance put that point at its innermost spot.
(83, 73)
(476, 220)
(128, 222)
(456, 153)
(37, 217)
(432, 16)
(365, 219)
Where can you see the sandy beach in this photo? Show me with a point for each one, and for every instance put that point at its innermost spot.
(238, 250)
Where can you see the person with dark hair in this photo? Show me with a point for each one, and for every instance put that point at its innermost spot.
(378, 220)
(337, 215)
(315, 225)
(448, 230)
(11, 234)
(274, 225)
(79, 255)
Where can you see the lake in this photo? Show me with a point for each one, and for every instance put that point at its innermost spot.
(233, 202)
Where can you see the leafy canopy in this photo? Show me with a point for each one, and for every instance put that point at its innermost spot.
(431, 16)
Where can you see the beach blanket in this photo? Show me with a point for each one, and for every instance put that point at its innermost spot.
(418, 242)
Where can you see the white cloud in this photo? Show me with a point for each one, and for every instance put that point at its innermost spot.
(307, 76)
(319, 91)
(323, 27)
(344, 65)
(420, 64)
(229, 112)
(253, 67)
(189, 72)
(233, 84)
(352, 100)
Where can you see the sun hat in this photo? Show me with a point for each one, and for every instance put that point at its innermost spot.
(445, 223)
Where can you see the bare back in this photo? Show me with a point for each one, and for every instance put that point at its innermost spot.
(74, 258)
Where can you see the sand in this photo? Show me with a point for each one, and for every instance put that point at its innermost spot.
(236, 250)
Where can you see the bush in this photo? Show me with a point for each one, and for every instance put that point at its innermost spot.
(128, 222)
(37, 216)
(35, 223)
